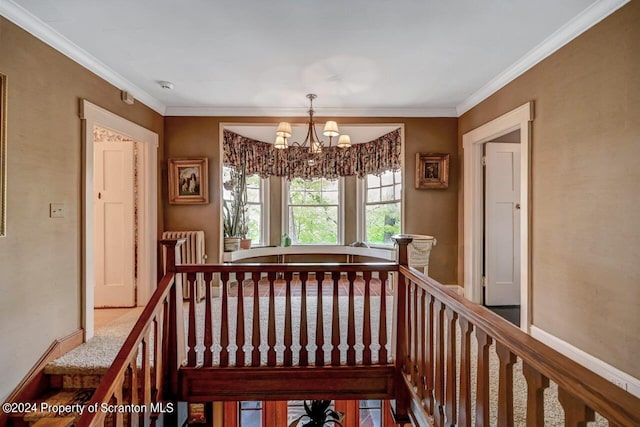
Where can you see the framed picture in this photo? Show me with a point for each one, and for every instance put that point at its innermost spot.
(189, 181)
(432, 170)
(3, 155)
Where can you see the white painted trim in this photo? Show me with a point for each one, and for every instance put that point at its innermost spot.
(572, 29)
(472, 143)
(147, 207)
(38, 28)
(320, 112)
(613, 374)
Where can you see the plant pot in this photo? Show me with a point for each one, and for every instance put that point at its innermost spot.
(245, 244)
(231, 244)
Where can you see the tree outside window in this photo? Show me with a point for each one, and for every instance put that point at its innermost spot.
(313, 211)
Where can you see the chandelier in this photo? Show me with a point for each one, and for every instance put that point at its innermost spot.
(312, 142)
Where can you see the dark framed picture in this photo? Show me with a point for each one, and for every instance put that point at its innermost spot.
(432, 170)
(188, 181)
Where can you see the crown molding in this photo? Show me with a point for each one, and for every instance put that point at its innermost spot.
(299, 112)
(572, 29)
(38, 28)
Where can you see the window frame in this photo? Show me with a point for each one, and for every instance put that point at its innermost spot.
(341, 213)
(361, 210)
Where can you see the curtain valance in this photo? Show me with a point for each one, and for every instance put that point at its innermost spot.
(375, 157)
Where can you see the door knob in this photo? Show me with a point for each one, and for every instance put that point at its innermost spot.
(517, 205)
(99, 195)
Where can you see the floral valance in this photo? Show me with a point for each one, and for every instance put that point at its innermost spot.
(375, 157)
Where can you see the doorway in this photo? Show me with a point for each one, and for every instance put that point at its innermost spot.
(474, 146)
(133, 148)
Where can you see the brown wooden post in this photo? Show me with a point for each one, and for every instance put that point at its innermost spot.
(400, 406)
(175, 344)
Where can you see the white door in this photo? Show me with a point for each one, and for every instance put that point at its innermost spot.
(114, 224)
(502, 224)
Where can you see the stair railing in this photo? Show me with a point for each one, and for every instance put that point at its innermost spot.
(144, 374)
(435, 327)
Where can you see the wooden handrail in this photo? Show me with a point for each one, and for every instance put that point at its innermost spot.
(580, 389)
(289, 267)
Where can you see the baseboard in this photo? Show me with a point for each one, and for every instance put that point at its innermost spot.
(35, 381)
(615, 375)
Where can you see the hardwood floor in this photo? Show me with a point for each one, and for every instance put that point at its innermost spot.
(508, 312)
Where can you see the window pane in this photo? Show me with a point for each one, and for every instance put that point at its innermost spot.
(250, 414)
(387, 178)
(370, 418)
(373, 181)
(313, 224)
(398, 177)
(382, 222)
(254, 224)
(398, 192)
(373, 195)
(387, 194)
(253, 195)
(253, 181)
(330, 198)
(329, 185)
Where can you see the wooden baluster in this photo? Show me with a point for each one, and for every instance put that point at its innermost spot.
(482, 394)
(191, 354)
(536, 383)
(133, 393)
(451, 394)
(145, 371)
(271, 331)
(208, 326)
(304, 339)
(421, 344)
(366, 321)
(255, 330)
(383, 358)
(288, 334)
(335, 321)
(428, 360)
(117, 394)
(505, 385)
(414, 359)
(576, 413)
(224, 321)
(161, 385)
(158, 355)
(464, 415)
(407, 319)
(438, 412)
(351, 321)
(240, 323)
(319, 324)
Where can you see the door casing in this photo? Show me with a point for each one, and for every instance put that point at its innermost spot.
(90, 115)
(521, 119)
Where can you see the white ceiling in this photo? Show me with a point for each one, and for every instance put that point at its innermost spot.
(362, 57)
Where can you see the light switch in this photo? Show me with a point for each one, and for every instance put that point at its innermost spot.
(56, 210)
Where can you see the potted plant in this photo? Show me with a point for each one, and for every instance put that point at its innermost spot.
(318, 414)
(235, 211)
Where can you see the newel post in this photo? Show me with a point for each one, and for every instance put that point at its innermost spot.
(400, 406)
(173, 343)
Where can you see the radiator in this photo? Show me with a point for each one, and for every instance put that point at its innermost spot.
(190, 252)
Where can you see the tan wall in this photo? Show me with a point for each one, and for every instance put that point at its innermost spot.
(40, 258)
(586, 204)
(427, 211)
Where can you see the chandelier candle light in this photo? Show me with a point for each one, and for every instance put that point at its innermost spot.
(312, 141)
